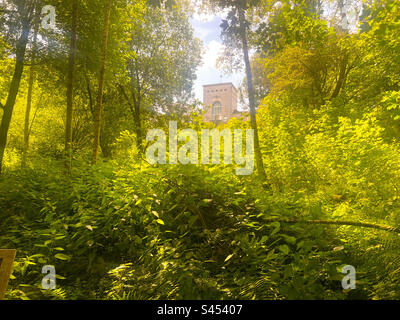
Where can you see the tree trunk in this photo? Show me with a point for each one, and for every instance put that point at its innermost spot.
(138, 126)
(138, 130)
(14, 86)
(253, 120)
(30, 89)
(135, 110)
(70, 86)
(99, 106)
(342, 76)
(105, 147)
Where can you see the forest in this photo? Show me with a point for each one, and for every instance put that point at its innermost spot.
(83, 83)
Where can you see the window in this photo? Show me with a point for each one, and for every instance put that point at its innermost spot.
(216, 110)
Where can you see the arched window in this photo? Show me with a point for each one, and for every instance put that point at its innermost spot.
(216, 109)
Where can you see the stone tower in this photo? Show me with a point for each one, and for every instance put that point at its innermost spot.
(220, 102)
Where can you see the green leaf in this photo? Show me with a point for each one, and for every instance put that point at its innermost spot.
(155, 213)
(289, 239)
(228, 257)
(284, 249)
(62, 256)
(270, 255)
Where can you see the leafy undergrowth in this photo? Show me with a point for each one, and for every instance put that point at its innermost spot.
(180, 232)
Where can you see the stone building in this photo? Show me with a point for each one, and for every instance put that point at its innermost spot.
(220, 102)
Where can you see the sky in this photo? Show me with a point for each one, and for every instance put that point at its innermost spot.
(207, 28)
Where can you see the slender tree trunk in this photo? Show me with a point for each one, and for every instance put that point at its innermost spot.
(138, 125)
(138, 129)
(253, 120)
(99, 106)
(70, 86)
(342, 76)
(14, 86)
(135, 110)
(105, 148)
(30, 89)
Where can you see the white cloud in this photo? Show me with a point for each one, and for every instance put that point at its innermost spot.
(202, 32)
(212, 52)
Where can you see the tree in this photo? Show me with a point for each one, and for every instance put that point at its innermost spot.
(252, 106)
(162, 57)
(25, 10)
(99, 105)
(30, 90)
(234, 31)
(303, 56)
(70, 85)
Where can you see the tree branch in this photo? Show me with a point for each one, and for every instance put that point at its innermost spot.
(337, 222)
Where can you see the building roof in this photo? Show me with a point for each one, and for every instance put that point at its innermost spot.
(219, 84)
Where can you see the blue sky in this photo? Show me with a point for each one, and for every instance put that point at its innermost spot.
(207, 28)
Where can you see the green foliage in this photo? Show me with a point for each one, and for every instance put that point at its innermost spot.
(122, 229)
(181, 232)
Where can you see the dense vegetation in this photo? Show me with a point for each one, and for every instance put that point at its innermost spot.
(77, 192)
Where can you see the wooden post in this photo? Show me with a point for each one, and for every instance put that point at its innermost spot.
(6, 262)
